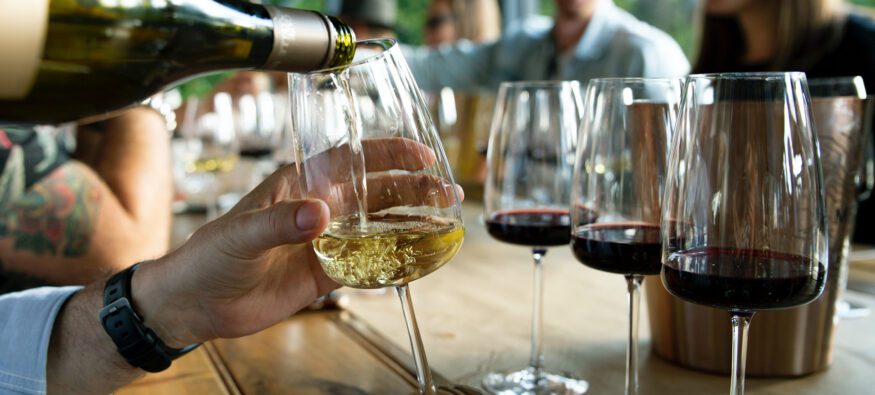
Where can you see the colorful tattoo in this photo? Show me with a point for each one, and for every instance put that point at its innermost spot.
(55, 216)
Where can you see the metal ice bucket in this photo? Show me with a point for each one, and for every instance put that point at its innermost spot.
(791, 342)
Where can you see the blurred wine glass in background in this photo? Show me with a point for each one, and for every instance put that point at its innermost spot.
(842, 116)
(207, 149)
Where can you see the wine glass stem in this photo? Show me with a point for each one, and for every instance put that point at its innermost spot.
(213, 192)
(423, 373)
(740, 323)
(633, 282)
(536, 359)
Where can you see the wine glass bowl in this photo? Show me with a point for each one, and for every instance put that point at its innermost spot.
(529, 164)
(843, 113)
(618, 182)
(364, 143)
(392, 249)
(258, 116)
(744, 219)
(210, 134)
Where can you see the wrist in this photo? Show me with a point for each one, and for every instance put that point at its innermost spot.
(155, 299)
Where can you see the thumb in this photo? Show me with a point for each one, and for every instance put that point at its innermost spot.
(285, 222)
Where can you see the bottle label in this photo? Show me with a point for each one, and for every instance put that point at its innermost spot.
(23, 26)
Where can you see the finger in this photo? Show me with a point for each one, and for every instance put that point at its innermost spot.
(382, 154)
(394, 190)
(287, 222)
(279, 186)
(333, 166)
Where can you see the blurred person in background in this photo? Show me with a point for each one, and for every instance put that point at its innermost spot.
(586, 39)
(71, 218)
(463, 118)
(370, 18)
(823, 38)
(452, 20)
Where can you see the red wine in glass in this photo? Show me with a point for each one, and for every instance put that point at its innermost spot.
(623, 248)
(737, 279)
(531, 227)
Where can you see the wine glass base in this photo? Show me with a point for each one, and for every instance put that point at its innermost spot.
(527, 382)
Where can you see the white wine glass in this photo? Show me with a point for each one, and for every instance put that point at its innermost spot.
(364, 141)
(210, 148)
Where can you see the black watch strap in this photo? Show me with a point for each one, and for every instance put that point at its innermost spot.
(139, 345)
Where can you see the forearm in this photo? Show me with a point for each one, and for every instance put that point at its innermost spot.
(70, 228)
(82, 357)
(134, 162)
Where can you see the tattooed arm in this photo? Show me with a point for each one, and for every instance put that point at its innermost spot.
(82, 222)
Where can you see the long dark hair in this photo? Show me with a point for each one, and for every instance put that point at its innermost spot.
(806, 30)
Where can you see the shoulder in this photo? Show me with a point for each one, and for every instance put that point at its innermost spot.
(658, 54)
(637, 34)
(533, 27)
(858, 44)
(861, 28)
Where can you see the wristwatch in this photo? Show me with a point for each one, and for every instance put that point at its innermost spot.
(138, 344)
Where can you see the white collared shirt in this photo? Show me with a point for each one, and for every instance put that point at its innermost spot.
(615, 44)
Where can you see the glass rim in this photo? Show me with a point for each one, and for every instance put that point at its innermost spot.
(834, 80)
(385, 45)
(538, 83)
(827, 87)
(611, 80)
(767, 75)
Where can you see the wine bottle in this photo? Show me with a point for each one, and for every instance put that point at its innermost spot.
(63, 60)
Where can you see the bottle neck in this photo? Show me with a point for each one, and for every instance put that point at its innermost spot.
(302, 40)
(308, 40)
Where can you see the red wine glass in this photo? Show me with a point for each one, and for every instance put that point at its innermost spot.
(842, 116)
(619, 174)
(744, 225)
(528, 183)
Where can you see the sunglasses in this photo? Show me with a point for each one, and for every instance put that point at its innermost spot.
(436, 21)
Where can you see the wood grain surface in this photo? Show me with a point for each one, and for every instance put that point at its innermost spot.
(474, 317)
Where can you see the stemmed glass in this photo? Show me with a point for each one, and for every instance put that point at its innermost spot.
(528, 184)
(363, 135)
(839, 107)
(619, 174)
(210, 146)
(744, 225)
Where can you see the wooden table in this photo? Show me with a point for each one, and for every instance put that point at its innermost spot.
(474, 317)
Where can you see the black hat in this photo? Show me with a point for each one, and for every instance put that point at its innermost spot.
(381, 13)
